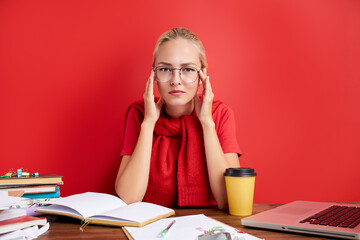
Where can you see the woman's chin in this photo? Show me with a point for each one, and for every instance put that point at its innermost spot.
(177, 101)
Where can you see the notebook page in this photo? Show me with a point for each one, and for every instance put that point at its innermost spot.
(89, 203)
(136, 212)
(61, 209)
(186, 227)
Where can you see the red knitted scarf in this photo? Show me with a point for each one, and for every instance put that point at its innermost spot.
(184, 173)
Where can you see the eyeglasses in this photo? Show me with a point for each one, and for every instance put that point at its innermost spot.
(188, 74)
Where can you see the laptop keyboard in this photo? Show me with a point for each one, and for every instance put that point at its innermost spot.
(336, 216)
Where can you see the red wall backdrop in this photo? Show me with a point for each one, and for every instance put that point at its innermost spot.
(289, 69)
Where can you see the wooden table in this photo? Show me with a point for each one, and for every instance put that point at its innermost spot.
(68, 228)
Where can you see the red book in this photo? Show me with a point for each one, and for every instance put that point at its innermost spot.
(16, 223)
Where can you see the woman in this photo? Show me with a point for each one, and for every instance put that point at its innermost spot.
(177, 148)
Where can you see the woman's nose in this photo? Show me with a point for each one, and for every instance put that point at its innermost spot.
(175, 78)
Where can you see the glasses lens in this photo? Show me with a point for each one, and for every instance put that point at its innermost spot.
(189, 74)
(163, 74)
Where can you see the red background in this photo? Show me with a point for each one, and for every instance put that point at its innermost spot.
(289, 69)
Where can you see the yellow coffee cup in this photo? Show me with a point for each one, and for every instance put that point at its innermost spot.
(240, 185)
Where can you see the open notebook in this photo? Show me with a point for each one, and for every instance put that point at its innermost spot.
(106, 209)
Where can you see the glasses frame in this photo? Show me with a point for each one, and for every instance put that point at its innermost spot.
(172, 69)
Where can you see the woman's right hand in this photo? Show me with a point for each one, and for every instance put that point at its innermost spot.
(152, 109)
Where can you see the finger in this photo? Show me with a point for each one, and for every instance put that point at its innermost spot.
(201, 79)
(152, 75)
(202, 76)
(205, 72)
(160, 102)
(209, 92)
(208, 85)
(149, 92)
(151, 78)
(146, 88)
(151, 83)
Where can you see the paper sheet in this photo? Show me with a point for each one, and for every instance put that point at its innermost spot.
(26, 233)
(8, 201)
(12, 213)
(186, 227)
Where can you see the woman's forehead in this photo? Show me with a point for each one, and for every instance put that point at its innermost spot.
(178, 52)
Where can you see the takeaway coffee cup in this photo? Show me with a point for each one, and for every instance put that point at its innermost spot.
(240, 184)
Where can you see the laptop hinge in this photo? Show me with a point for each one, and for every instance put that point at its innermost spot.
(320, 232)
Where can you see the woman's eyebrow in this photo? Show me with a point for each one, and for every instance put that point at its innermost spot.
(164, 63)
(183, 64)
(187, 64)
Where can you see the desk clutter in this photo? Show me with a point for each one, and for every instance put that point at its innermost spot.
(21, 192)
(21, 227)
(25, 196)
(31, 185)
(15, 223)
(140, 220)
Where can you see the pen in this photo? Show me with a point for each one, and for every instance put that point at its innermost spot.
(166, 230)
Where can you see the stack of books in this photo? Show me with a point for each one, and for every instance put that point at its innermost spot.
(35, 187)
(15, 224)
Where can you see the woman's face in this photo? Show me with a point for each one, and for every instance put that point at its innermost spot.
(176, 54)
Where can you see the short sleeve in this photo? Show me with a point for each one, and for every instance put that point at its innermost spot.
(226, 129)
(132, 131)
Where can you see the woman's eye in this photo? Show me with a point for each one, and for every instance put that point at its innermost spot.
(188, 69)
(164, 69)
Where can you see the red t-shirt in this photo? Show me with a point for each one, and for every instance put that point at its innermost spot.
(225, 128)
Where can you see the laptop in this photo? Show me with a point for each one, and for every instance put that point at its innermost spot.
(318, 218)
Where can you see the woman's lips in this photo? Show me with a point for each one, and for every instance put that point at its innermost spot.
(176, 92)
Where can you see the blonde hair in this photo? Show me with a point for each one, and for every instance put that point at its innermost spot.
(175, 33)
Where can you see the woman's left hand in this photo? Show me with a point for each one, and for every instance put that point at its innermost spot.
(203, 107)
